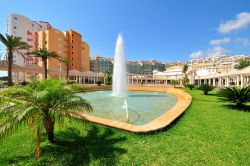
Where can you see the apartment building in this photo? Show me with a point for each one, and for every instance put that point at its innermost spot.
(21, 26)
(100, 64)
(68, 45)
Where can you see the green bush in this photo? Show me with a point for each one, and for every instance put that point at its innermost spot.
(205, 88)
(235, 95)
(99, 83)
(191, 86)
(24, 83)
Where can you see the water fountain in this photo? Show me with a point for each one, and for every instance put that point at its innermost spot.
(143, 106)
(120, 85)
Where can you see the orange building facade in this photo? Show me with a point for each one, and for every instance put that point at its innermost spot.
(68, 45)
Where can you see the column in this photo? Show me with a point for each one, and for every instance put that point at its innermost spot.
(24, 76)
(219, 82)
(238, 81)
(80, 80)
(227, 81)
(209, 81)
(214, 82)
(16, 77)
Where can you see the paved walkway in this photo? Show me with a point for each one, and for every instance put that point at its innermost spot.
(184, 100)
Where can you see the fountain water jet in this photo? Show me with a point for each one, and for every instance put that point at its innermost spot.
(126, 109)
(120, 85)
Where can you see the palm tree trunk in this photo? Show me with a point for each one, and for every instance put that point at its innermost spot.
(67, 72)
(45, 69)
(49, 125)
(10, 64)
(38, 141)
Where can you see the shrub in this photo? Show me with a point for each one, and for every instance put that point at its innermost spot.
(235, 95)
(99, 83)
(108, 78)
(191, 86)
(142, 82)
(205, 88)
(24, 83)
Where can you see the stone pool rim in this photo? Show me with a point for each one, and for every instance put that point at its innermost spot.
(183, 101)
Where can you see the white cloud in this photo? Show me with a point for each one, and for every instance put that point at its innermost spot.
(218, 42)
(242, 21)
(216, 51)
(197, 54)
(211, 52)
(243, 41)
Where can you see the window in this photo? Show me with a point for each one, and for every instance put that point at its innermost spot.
(72, 52)
(14, 27)
(72, 64)
(15, 18)
(72, 58)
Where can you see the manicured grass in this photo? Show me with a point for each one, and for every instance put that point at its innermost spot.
(208, 133)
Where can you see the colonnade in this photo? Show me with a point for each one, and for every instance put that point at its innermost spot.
(226, 81)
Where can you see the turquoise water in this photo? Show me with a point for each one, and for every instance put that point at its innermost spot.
(143, 106)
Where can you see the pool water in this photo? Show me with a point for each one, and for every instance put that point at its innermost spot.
(143, 106)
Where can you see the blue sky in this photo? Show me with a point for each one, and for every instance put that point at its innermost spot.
(165, 30)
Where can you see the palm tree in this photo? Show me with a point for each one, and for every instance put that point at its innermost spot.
(174, 83)
(185, 80)
(185, 68)
(45, 54)
(236, 95)
(40, 104)
(108, 78)
(243, 63)
(12, 44)
(205, 88)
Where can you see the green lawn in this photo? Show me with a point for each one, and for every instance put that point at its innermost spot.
(208, 133)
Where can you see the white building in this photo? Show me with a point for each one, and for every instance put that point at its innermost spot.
(23, 27)
(171, 73)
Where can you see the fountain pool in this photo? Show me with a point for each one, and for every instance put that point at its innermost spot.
(142, 106)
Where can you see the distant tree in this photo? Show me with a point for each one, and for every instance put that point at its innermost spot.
(185, 68)
(185, 80)
(243, 63)
(236, 95)
(45, 55)
(205, 88)
(142, 82)
(108, 78)
(12, 44)
(174, 83)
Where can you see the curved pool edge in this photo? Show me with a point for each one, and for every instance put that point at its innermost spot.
(183, 101)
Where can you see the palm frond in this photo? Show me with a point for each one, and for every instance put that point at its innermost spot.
(13, 122)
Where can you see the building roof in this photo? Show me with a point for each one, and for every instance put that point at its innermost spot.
(4, 65)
